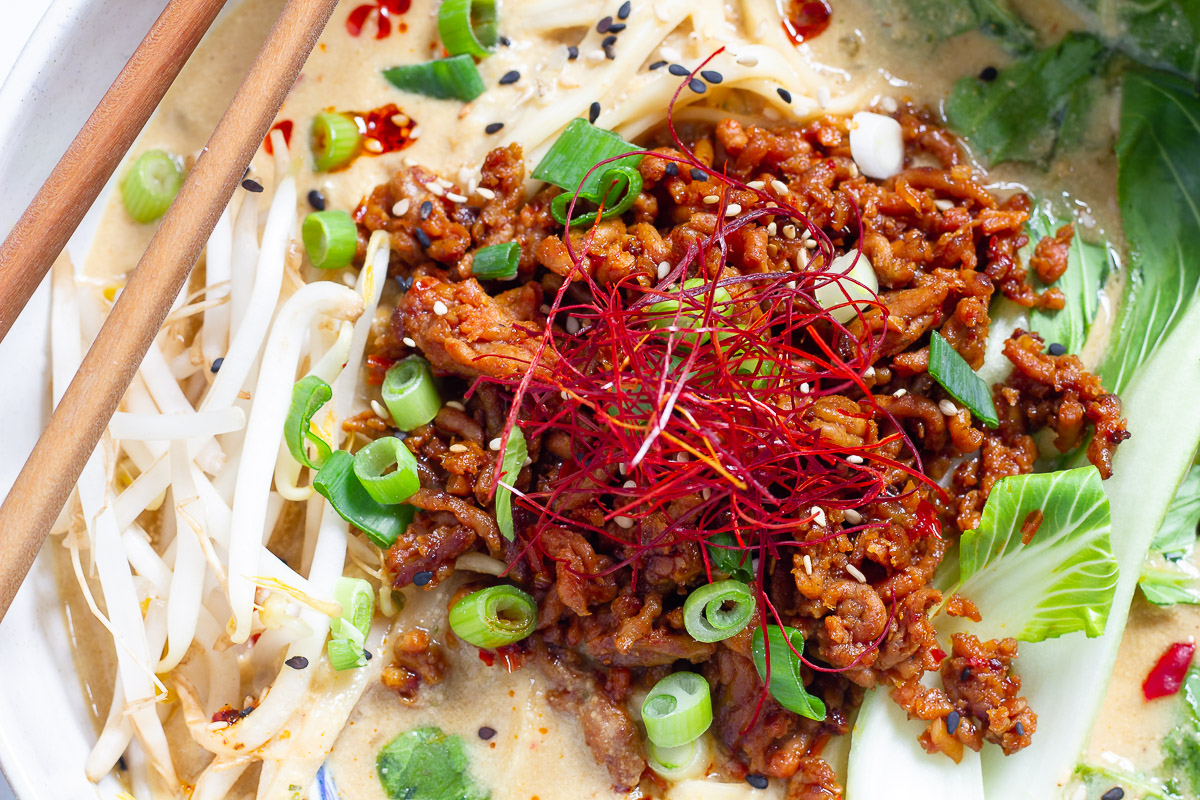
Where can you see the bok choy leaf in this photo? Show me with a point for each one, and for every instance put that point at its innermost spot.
(1057, 580)
(1088, 265)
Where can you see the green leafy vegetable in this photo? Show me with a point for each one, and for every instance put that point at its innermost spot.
(1019, 116)
(1167, 576)
(515, 453)
(1063, 580)
(955, 375)
(1162, 33)
(426, 764)
(1170, 584)
(725, 555)
(1087, 267)
(786, 686)
(1177, 534)
(922, 22)
(1181, 747)
(1158, 185)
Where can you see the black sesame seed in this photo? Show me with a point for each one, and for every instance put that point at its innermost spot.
(404, 282)
(672, 169)
(965, 675)
(121, 764)
(1056, 349)
(245, 172)
(603, 25)
(251, 185)
(711, 75)
(608, 41)
(1115, 793)
(423, 238)
(423, 578)
(512, 76)
(494, 127)
(698, 86)
(505, 41)
(699, 174)
(426, 210)
(216, 365)
(657, 65)
(1019, 728)
(367, 655)
(784, 94)
(758, 781)
(316, 200)
(678, 70)
(486, 733)
(593, 112)
(952, 720)
(572, 53)
(609, 52)
(617, 27)
(989, 74)
(623, 11)
(297, 662)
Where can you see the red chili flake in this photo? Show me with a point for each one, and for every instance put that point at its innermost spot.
(1168, 674)
(285, 127)
(1029, 528)
(927, 520)
(806, 19)
(938, 654)
(384, 11)
(377, 367)
(380, 124)
(487, 657)
(227, 714)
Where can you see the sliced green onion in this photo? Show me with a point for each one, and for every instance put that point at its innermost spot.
(308, 395)
(955, 375)
(371, 465)
(581, 147)
(496, 261)
(679, 763)
(348, 633)
(493, 617)
(688, 312)
(338, 484)
(705, 615)
(727, 556)
(151, 185)
(330, 238)
(410, 394)
(344, 654)
(515, 453)
(468, 26)
(786, 685)
(334, 140)
(454, 78)
(678, 710)
(845, 295)
(624, 185)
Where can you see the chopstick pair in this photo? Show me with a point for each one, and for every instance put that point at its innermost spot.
(77, 423)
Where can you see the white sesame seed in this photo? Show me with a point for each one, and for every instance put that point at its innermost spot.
(629, 485)
(856, 573)
(400, 119)
(415, 133)
(445, 184)
(681, 457)
(409, 341)
(622, 468)
(572, 325)
(854, 458)
(545, 309)
(900, 393)
(664, 269)
(372, 145)
(801, 260)
(440, 308)
(772, 229)
(747, 60)
(563, 394)
(458, 448)
(948, 408)
(811, 244)
(711, 199)
(792, 285)
(808, 563)
(942, 204)
(401, 208)
(380, 411)
(805, 388)
(624, 522)
(779, 186)
(818, 515)
(733, 209)
(527, 461)
(455, 198)
(869, 372)
(217, 726)
(455, 404)
(757, 184)
(852, 516)
(349, 279)
(595, 55)
(668, 52)
(853, 170)
(889, 105)
(789, 231)
(494, 444)
(705, 493)
(485, 193)
(435, 189)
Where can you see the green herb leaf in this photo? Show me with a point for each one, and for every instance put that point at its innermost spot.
(515, 453)
(1170, 584)
(1063, 580)
(726, 556)
(1019, 115)
(1158, 185)
(308, 395)
(426, 764)
(786, 685)
(1161, 34)
(920, 22)
(1088, 266)
(955, 375)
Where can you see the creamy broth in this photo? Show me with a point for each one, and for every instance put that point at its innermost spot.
(538, 752)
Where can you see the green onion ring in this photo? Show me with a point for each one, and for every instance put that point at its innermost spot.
(705, 615)
(624, 185)
(678, 710)
(410, 394)
(493, 617)
(468, 26)
(371, 465)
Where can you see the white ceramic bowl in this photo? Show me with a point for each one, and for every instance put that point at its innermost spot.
(75, 52)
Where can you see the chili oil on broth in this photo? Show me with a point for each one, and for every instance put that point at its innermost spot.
(343, 73)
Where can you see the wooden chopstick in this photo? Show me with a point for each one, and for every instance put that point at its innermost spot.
(43, 230)
(89, 402)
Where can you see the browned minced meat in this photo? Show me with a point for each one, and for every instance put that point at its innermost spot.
(610, 613)
(417, 660)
